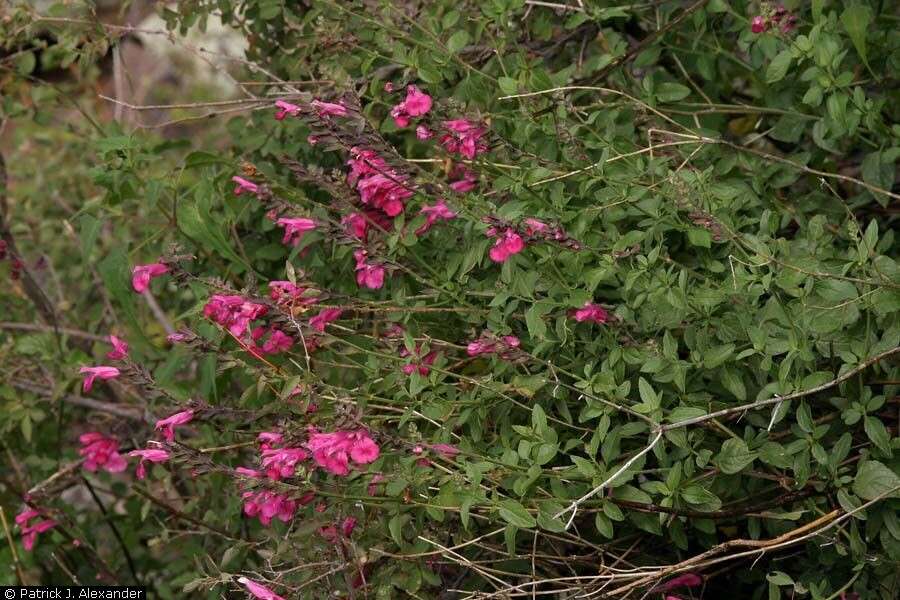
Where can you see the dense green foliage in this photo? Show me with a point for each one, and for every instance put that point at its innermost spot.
(733, 199)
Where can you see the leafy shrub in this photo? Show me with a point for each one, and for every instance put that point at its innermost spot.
(504, 297)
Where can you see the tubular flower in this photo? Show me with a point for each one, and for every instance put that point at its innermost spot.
(285, 292)
(508, 243)
(258, 590)
(686, 580)
(329, 109)
(423, 133)
(416, 104)
(142, 274)
(356, 226)
(419, 363)
(378, 185)
(504, 347)
(233, 312)
(333, 451)
(30, 532)
(154, 455)
(464, 137)
(324, 317)
(468, 180)
(434, 213)
(445, 450)
(278, 341)
(120, 348)
(265, 505)
(281, 462)
(244, 185)
(591, 312)
(368, 274)
(269, 439)
(92, 373)
(294, 229)
(101, 451)
(285, 109)
(167, 426)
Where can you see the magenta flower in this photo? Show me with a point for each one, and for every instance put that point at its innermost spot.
(120, 348)
(233, 312)
(324, 317)
(434, 213)
(356, 225)
(329, 109)
(591, 312)
(686, 580)
(285, 109)
(423, 133)
(269, 439)
(277, 341)
(508, 243)
(368, 274)
(330, 532)
(505, 346)
(416, 104)
(420, 364)
(266, 504)
(468, 180)
(258, 590)
(142, 274)
(92, 373)
(378, 185)
(167, 426)
(177, 337)
(154, 455)
(281, 462)
(286, 292)
(333, 451)
(244, 185)
(445, 450)
(759, 24)
(30, 532)
(244, 471)
(533, 226)
(464, 137)
(294, 229)
(101, 451)
(372, 488)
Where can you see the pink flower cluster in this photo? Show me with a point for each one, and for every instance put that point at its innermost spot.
(142, 274)
(120, 348)
(100, 451)
(418, 363)
(774, 17)
(233, 312)
(333, 451)
(464, 137)
(30, 531)
(378, 185)
(508, 242)
(285, 292)
(368, 274)
(434, 213)
(276, 340)
(322, 109)
(153, 455)
(465, 179)
(505, 347)
(281, 462)
(416, 104)
(325, 316)
(294, 229)
(590, 312)
(267, 505)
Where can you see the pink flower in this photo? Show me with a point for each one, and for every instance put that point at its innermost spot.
(372, 488)
(434, 213)
(419, 364)
(416, 104)
(294, 229)
(177, 337)
(329, 109)
(142, 274)
(378, 185)
(281, 462)
(269, 439)
(759, 24)
(445, 450)
(324, 317)
(285, 109)
(591, 312)
(120, 348)
(258, 590)
(244, 185)
(154, 455)
(388, 87)
(464, 137)
(92, 373)
(348, 526)
(507, 244)
(233, 312)
(533, 226)
(277, 341)
(333, 451)
(467, 183)
(266, 505)
(101, 451)
(287, 292)
(30, 532)
(423, 133)
(505, 346)
(368, 274)
(330, 532)
(244, 471)
(356, 225)
(167, 426)
(686, 580)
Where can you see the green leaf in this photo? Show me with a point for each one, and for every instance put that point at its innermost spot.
(856, 19)
(779, 66)
(672, 92)
(515, 514)
(874, 479)
(458, 41)
(89, 228)
(734, 456)
(508, 85)
(878, 433)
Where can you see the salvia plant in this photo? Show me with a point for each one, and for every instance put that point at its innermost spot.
(469, 299)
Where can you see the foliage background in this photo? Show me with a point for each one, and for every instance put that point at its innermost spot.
(735, 196)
